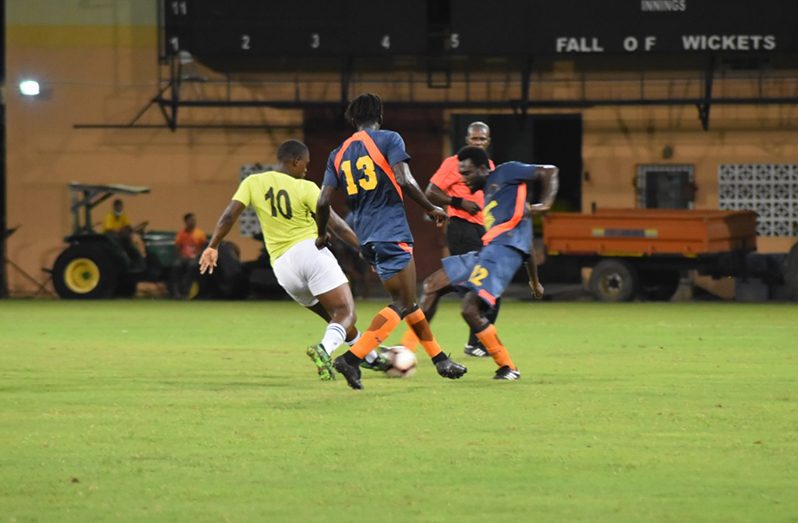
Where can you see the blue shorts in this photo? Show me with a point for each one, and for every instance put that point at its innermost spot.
(487, 272)
(387, 258)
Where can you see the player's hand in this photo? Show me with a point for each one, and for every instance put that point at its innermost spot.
(536, 208)
(537, 290)
(208, 260)
(438, 215)
(323, 241)
(470, 207)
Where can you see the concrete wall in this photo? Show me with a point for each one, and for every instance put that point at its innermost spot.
(97, 64)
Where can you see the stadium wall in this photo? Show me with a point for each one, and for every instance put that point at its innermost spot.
(97, 64)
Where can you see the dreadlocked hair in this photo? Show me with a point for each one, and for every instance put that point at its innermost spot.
(365, 109)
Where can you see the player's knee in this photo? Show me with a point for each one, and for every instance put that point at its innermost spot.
(404, 310)
(435, 282)
(343, 315)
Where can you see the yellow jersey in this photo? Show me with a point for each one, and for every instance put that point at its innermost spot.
(114, 223)
(286, 208)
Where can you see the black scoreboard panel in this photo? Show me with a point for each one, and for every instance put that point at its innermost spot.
(228, 33)
(561, 27)
(236, 35)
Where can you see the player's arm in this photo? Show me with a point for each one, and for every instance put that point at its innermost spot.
(548, 174)
(341, 229)
(210, 255)
(323, 215)
(436, 195)
(409, 185)
(532, 273)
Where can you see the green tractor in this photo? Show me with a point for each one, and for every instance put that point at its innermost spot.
(97, 265)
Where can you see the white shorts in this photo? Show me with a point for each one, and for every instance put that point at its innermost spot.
(306, 272)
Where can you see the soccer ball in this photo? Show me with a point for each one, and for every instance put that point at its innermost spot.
(403, 362)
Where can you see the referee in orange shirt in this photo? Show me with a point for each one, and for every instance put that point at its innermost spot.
(466, 226)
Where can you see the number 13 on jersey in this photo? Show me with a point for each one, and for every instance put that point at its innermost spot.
(366, 175)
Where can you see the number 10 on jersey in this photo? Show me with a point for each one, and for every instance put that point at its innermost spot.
(366, 175)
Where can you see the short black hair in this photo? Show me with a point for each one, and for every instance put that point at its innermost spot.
(477, 155)
(187, 216)
(291, 150)
(365, 109)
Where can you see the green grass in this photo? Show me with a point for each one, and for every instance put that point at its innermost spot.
(163, 411)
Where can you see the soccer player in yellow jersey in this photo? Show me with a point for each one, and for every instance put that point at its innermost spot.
(285, 204)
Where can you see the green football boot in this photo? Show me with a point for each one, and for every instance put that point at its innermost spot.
(322, 361)
(381, 364)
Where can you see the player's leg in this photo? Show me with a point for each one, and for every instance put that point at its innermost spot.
(305, 272)
(388, 262)
(323, 274)
(435, 286)
(462, 237)
(489, 278)
(395, 266)
(403, 292)
(474, 314)
(375, 360)
(474, 347)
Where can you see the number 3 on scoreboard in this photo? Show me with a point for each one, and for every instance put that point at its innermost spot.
(368, 182)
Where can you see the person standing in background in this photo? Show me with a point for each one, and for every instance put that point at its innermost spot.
(188, 242)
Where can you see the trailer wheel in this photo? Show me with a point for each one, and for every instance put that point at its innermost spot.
(658, 285)
(613, 280)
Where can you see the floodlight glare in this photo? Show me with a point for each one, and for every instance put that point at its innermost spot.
(29, 87)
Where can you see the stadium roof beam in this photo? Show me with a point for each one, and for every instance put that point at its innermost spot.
(170, 100)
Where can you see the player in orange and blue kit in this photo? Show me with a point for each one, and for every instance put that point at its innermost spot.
(371, 166)
(507, 243)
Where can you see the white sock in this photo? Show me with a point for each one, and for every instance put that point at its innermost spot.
(334, 336)
(371, 356)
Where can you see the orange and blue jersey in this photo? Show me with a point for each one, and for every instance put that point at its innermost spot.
(505, 205)
(362, 166)
(508, 238)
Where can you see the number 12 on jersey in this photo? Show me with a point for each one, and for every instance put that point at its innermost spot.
(366, 175)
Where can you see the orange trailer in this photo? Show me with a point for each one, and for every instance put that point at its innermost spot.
(637, 252)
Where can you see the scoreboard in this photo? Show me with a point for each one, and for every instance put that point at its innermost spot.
(250, 34)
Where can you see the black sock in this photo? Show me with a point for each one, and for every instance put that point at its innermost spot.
(441, 356)
(493, 313)
(351, 358)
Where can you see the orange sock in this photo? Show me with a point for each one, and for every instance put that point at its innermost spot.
(420, 327)
(490, 340)
(381, 326)
(409, 340)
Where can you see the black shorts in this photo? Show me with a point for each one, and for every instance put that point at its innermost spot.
(463, 236)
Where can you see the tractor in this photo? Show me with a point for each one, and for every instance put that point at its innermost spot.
(96, 265)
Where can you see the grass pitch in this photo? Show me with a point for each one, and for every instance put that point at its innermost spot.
(163, 411)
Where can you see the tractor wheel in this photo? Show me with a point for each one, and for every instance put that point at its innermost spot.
(613, 280)
(84, 272)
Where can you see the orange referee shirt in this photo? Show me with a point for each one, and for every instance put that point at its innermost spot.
(447, 178)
